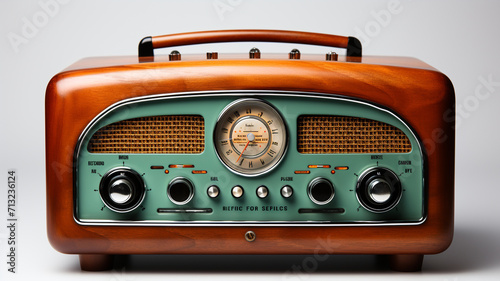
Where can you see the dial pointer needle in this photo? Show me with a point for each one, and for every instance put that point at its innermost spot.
(250, 137)
(242, 152)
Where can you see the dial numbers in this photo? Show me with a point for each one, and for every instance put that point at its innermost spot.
(250, 137)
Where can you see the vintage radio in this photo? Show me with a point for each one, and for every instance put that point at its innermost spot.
(250, 154)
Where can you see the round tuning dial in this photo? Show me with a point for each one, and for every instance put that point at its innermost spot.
(122, 190)
(378, 190)
(250, 137)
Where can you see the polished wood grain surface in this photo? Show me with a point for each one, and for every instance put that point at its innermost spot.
(423, 97)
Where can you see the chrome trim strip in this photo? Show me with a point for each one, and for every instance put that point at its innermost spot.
(244, 223)
(239, 93)
(184, 211)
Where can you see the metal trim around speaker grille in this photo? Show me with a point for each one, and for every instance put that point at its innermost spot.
(318, 134)
(168, 134)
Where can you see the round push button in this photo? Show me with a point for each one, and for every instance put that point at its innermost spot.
(262, 192)
(237, 191)
(213, 191)
(286, 191)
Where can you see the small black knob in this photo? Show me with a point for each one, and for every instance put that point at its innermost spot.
(320, 191)
(180, 191)
(122, 190)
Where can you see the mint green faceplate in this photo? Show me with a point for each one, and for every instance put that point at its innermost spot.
(89, 208)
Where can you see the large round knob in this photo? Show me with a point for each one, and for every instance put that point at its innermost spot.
(378, 190)
(320, 191)
(180, 191)
(122, 190)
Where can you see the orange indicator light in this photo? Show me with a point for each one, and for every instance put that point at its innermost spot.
(180, 166)
(302, 172)
(318, 166)
(333, 172)
(342, 168)
(167, 171)
(199, 172)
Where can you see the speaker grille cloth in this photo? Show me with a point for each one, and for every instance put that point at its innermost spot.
(343, 134)
(183, 134)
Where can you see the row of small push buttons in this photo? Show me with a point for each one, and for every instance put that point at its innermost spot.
(237, 191)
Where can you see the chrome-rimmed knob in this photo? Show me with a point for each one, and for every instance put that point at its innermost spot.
(378, 190)
(180, 191)
(122, 190)
(321, 191)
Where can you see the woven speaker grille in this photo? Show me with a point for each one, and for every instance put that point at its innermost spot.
(183, 134)
(342, 134)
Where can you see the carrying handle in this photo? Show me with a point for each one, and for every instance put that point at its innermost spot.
(148, 44)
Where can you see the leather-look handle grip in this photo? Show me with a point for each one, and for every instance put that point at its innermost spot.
(148, 44)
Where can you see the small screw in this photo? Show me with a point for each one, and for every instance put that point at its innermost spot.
(174, 55)
(294, 54)
(250, 236)
(212, 55)
(332, 56)
(254, 53)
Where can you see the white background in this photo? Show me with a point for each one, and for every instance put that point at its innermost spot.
(460, 38)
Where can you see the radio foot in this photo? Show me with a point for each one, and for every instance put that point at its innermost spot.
(90, 262)
(406, 263)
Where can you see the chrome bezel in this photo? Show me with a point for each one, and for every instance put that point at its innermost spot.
(309, 187)
(275, 162)
(130, 209)
(191, 188)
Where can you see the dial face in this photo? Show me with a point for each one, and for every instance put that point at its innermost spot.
(250, 137)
